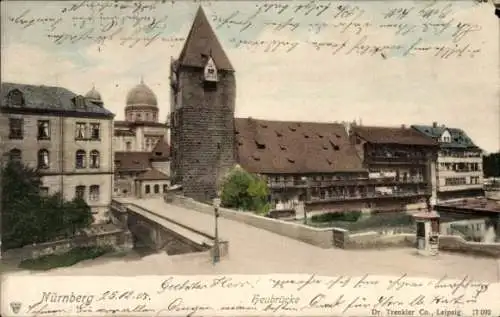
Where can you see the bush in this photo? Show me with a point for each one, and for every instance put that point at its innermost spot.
(29, 218)
(69, 258)
(350, 216)
(243, 190)
(353, 221)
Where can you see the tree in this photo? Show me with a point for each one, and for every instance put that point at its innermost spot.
(28, 218)
(491, 165)
(243, 190)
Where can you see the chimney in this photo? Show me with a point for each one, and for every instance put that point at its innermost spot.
(434, 124)
(403, 126)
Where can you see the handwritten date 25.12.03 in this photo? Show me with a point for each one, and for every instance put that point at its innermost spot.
(124, 295)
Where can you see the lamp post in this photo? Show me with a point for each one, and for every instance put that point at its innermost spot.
(216, 204)
(306, 181)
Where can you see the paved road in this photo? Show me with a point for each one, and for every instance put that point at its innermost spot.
(257, 251)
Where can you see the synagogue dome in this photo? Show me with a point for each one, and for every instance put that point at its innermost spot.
(141, 95)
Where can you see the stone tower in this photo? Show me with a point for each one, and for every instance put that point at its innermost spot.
(203, 95)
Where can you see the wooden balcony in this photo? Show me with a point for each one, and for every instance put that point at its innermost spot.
(373, 159)
(368, 196)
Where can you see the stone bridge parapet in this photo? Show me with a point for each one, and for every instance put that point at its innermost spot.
(159, 232)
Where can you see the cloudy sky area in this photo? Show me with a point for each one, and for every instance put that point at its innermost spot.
(388, 87)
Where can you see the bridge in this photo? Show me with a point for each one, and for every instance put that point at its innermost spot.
(152, 228)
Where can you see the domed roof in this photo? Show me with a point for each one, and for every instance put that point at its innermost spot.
(141, 95)
(93, 95)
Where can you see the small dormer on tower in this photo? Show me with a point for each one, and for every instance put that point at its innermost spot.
(210, 71)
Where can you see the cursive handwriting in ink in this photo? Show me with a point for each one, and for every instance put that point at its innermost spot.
(464, 284)
(320, 301)
(177, 305)
(172, 285)
(44, 309)
(299, 284)
(136, 309)
(342, 281)
(402, 282)
(357, 302)
(366, 281)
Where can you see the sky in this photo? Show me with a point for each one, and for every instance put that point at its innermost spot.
(379, 63)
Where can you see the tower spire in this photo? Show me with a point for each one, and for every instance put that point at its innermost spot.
(202, 41)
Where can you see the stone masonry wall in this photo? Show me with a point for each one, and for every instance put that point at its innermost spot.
(203, 135)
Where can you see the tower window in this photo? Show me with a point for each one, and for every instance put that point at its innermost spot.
(210, 72)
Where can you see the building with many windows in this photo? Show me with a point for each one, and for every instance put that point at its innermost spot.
(140, 146)
(401, 162)
(141, 129)
(65, 136)
(459, 166)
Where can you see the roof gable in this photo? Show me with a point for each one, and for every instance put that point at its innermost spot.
(49, 98)
(459, 139)
(153, 174)
(161, 151)
(393, 135)
(202, 43)
(277, 147)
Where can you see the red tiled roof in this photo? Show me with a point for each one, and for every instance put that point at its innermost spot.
(294, 147)
(201, 41)
(392, 135)
(480, 204)
(135, 161)
(130, 124)
(161, 151)
(152, 175)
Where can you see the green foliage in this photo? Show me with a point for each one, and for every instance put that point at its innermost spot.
(30, 218)
(375, 221)
(69, 258)
(246, 191)
(337, 216)
(491, 165)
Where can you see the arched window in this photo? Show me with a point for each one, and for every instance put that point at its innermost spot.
(147, 116)
(148, 189)
(128, 146)
(16, 98)
(94, 193)
(94, 159)
(157, 188)
(138, 117)
(154, 116)
(15, 155)
(43, 159)
(80, 159)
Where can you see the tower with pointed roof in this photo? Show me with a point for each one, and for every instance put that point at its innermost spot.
(203, 95)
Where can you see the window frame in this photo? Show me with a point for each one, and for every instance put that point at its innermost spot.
(80, 189)
(92, 155)
(13, 129)
(41, 155)
(82, 154)
(93, 126)
(39, 128)
(18, 153)
(94, 193)
(82, 125)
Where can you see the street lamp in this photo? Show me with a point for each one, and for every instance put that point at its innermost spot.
(306, 181)
(216, 204)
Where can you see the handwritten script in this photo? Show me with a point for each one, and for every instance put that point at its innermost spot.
(383, 29)
(248, 295)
